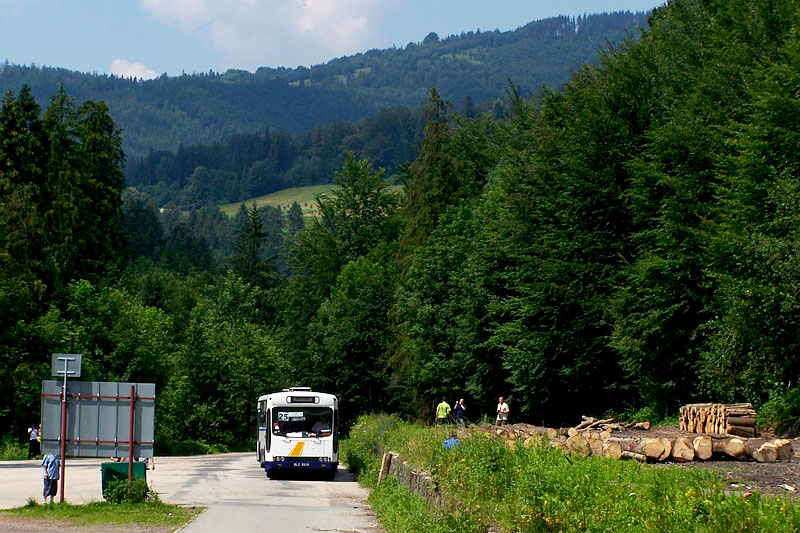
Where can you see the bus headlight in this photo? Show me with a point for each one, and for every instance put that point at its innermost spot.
(324, 459)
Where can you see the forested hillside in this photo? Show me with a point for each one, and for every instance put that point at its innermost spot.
(249, 165)
(203, 108)
(626, 244)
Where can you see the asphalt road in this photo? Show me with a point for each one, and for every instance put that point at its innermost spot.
(238, 494)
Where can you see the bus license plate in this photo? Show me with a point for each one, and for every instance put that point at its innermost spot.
(302, 464)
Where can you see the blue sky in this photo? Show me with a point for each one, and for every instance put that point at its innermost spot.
(146, 38)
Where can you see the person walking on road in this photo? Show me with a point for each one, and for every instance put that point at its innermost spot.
(502, 412)
(50, 465)
(442, 412)
(33, 433)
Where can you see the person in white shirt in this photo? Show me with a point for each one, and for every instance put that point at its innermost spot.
(502, 412)
(33, 444)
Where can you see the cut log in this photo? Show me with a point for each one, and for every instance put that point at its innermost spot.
(571, 432)
(586, 422)
(741, 420)
(658, 449)
(784, 449)
(740, 431)
(682, 450)
(751, 445)
(766, 453)
(578, 445)
(633, 455)
(702, 447)
(595, 444)
(732, 447)
(613, 450)
(667, 449)
(600, 422)
(552, 434)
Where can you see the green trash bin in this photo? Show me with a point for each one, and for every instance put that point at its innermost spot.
(113, 471)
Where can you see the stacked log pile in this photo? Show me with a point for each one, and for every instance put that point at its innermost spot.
(737, 419)
(607, 438)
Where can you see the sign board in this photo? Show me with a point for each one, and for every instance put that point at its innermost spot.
(98, 418)
(72, 361)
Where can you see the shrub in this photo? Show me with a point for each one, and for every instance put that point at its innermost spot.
(124, 491)
(189, 447)
(12, 450)
(782, 412)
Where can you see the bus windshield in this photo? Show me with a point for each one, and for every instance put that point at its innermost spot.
(302, 421)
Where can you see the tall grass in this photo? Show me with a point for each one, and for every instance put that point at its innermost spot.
(12, 450)
(537, 488)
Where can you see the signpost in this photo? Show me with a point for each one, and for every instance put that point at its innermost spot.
(65, 364)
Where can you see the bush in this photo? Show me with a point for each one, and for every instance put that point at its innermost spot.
(781, 413)
(124, 491)
(12, 450)
(189, 447)
(361, 451)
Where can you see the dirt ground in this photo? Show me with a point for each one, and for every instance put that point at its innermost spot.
(773, 479)
(24, 524)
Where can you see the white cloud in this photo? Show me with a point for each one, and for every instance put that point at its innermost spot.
(126, 69)
(254, 33)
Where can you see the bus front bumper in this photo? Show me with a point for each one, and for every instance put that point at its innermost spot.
(300, 463)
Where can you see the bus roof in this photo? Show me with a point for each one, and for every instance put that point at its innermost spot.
(299, 395)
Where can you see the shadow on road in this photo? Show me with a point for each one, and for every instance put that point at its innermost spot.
(342, 476)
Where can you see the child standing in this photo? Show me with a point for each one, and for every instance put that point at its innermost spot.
(50, 465)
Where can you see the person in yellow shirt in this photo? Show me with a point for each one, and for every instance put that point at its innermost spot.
(442, 412)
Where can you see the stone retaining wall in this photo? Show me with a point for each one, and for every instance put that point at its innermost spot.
(418, 482)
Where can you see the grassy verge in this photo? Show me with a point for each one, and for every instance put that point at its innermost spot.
(538, 488)
(144, 514)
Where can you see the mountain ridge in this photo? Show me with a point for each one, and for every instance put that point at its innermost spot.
(202, 108)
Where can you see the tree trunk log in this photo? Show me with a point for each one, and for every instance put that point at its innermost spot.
(682, 450)
(732, 447)
(741, 420)
(634, 456)
(784, 448)
(766, 453)
(703, 448)
(578, 445)
(741, 431)
(612, 450)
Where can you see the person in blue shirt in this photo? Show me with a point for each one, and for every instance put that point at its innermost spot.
(452, 441)
(50, 465)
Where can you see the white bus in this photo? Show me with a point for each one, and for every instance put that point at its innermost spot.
(297, 430)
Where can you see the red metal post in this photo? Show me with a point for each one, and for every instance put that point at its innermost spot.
(63, 446)
(130, 437)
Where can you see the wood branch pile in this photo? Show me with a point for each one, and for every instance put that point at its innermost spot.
(737, 419)
(604, 438)
(606, 425)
